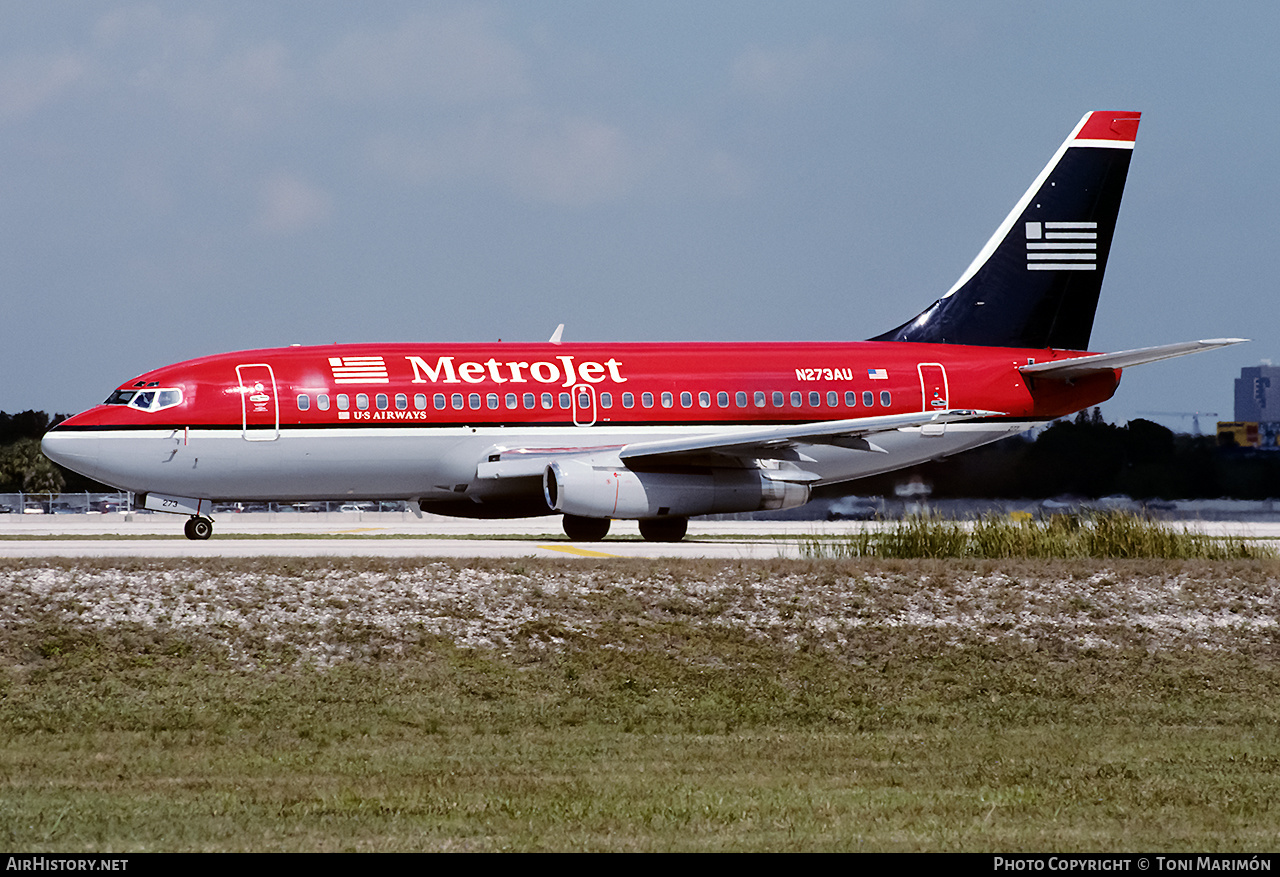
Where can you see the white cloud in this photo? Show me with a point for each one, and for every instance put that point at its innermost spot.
(571, 161)
(453, 58)
(194, 63)
(782, 72)
(29, 82)
(564, 159)
(288, 205)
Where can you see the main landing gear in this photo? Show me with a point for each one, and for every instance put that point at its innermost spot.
(664, 529)
(198, 528)
(580, 529)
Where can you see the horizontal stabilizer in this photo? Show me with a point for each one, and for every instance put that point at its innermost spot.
(1065, 369)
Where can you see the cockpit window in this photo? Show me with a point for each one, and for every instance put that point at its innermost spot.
(146, 400)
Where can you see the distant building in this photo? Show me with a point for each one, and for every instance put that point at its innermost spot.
(1258, 394)
(1257, 423)
(1238, 434)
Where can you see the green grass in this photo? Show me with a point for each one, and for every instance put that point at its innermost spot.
(666, 723)
(1100, 535)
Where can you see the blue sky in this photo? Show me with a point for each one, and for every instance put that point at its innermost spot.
(178, 179)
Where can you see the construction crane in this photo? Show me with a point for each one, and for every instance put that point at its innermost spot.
(1194, 415)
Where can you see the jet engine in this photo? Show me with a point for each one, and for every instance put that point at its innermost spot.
(579, 487)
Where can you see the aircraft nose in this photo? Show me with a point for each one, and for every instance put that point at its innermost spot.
(74, 450)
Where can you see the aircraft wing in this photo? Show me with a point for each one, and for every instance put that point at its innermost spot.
(766, 443)
(1065, 369)
(781, 442)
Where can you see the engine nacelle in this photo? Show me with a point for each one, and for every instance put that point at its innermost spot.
(577, 487)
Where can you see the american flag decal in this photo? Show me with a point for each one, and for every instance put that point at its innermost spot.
(1062, 246)
(359, 370)
(878, 374)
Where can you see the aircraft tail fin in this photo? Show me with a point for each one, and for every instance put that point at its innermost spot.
(1037, 280)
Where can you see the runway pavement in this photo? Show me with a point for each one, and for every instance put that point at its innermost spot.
(377, 534)
(394, 534)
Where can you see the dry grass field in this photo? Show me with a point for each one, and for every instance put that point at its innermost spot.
(833, 704)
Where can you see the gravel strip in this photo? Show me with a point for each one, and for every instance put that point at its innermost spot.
(325, 616)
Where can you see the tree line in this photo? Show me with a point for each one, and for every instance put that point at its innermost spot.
(1090, 458)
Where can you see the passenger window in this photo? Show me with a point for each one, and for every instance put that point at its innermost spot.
(884, 398)
(606, 400)
(547, 402)
(456, 401)
(667, 399)
(797, 399)
(382, 401)
(628, 400)
(491, 401)
(304, 402)
(778, 399)
(322, 401)
(512, 401)
(815, 398)
(851, 398)
(565, 402)
(868, 398)
(759, 398)
(741, 399)
(402, 401)
(362, 401)
(419, 401)
(473, 401)
(686, 399)
(833, 399)
(530, 401)
(344, 401)
(704, 399)
(722, 399)
(439, 401)
(646, 399)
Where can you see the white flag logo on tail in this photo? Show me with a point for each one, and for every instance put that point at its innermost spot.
(359, 370)
(1062, 246)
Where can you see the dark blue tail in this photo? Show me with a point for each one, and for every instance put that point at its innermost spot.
(1036, 282)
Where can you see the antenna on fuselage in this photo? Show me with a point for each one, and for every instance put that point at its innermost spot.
(555, 336)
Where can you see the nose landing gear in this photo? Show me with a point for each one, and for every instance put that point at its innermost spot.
(198, 528)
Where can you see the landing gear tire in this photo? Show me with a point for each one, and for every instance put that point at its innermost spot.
(198, 528)
(663, 529)
(585, 529)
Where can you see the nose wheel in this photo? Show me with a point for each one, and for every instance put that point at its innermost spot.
(198, 528)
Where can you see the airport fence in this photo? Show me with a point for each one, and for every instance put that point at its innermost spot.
(121, 502)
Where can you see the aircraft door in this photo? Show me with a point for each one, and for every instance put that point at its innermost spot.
(259, 404)
(933, 389)
(584, 404)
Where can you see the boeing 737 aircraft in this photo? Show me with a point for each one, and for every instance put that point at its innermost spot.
(649, 432)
